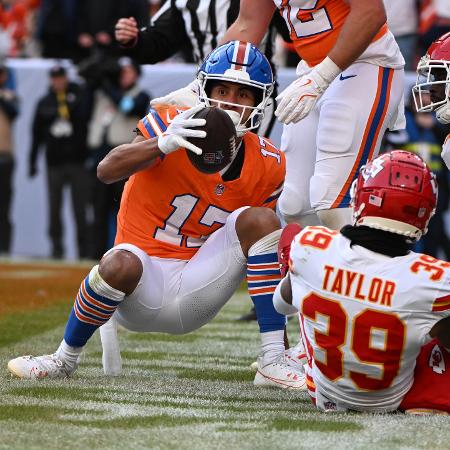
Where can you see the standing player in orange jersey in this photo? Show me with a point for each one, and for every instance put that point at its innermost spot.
(369, 306)
(349, 90)
(186, 239)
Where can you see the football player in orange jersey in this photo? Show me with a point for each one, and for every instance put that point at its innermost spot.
(349, 90)
(433, 81)
(369, 306)
(186, 239)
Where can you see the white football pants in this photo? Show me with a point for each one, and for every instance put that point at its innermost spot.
(326, 149)
(176, 296)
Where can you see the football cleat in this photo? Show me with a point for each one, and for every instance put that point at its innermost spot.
(297, 356)
(284, 246)
(279, 373)
(38, 367)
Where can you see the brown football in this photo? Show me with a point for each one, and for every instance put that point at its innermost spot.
(219, 144)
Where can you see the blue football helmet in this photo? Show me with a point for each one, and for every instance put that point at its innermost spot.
(238, 62)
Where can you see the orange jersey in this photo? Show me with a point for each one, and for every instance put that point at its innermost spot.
(315, 25)
(170, 209)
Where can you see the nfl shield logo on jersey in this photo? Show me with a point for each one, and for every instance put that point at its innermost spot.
(220, 189)
(436, 361)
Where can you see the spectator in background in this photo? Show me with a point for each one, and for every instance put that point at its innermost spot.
(424, 136)
(15, 20)
(403, 21)
(97, 20)
(59, 125)
(118, 103)
(434, 22)
(57, 23)
(8, 112)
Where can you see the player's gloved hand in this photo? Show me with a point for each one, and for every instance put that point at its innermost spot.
(187, 96)
(181, 128)
(297, 100)
(445, 154)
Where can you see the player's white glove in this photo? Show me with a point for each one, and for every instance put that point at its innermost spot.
(187, 96)
(445, 154)
(181, 128)
(297, 100)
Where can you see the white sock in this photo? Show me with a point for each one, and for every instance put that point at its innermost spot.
(68, 354)
(272, 346)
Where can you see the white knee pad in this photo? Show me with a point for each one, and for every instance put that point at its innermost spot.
(336, 218)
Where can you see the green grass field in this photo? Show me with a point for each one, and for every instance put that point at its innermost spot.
(178, 392)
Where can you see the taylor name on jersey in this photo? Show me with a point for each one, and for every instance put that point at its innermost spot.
(364, 330)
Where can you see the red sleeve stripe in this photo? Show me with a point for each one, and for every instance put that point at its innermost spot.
(441, 304)
(438, 308)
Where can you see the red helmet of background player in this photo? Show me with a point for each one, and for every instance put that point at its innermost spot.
(433, 70)
(395, 192)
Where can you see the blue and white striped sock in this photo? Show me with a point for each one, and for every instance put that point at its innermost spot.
(95, 303)
(263, 276)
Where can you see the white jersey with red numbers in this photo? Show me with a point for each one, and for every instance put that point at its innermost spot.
(364, 316)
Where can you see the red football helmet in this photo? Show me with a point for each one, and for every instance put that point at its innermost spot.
(433, 73)
(395, 192)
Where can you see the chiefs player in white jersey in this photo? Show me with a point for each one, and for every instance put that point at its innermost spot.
(367, 303)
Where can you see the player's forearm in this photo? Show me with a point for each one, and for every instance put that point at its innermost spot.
(365, 19)
(127, 159)
(247, 27)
